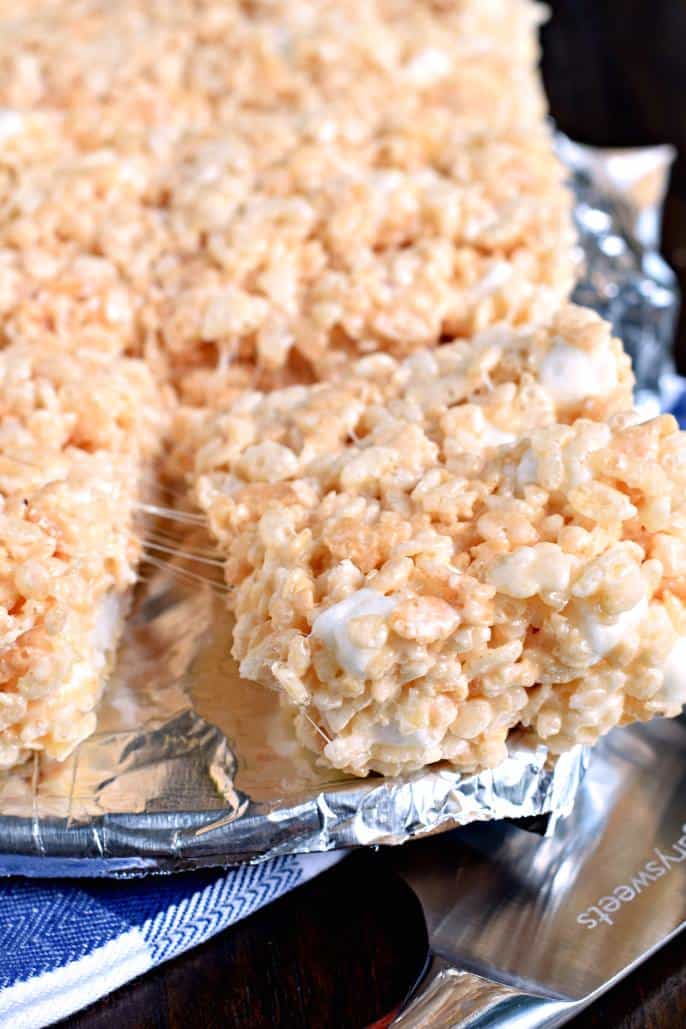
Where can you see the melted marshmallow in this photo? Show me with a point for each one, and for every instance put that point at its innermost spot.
(11, 123)
(389, 735)
(603, 637)
(429, 66)
(527, 571)
(570, 374)
(331, 627)
(673, 690)
(108, 623)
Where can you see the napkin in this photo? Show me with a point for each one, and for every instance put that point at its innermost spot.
(64, 944)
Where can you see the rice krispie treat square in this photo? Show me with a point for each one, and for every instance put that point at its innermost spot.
(424, 558)
(250, 194)
(75, 437)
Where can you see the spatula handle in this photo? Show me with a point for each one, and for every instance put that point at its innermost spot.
(449, 998)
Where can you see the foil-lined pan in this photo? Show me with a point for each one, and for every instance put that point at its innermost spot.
(191, 766)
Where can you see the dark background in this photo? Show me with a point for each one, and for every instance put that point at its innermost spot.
(344, 949)
(615, 74)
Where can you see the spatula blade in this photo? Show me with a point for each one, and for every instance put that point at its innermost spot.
(563, 917)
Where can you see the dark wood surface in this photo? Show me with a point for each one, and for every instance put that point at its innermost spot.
(345, 948)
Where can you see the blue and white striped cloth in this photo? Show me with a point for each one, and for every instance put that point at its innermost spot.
(65, 944)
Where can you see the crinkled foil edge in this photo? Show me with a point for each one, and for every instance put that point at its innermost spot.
(379, 811)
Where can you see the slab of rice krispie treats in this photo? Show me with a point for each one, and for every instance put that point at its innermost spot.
(75, 436)
(250, 193)
(425, 559)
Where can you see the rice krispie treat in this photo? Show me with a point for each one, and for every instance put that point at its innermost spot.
(480, 392)
(75, 436)
(251, 194)
(425, 559)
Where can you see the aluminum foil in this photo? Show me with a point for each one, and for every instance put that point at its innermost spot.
(190, 766)
(618, 214)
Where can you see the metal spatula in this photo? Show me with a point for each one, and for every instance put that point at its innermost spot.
(526, 931)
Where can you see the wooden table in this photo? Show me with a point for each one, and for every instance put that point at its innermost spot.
(345, 948)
